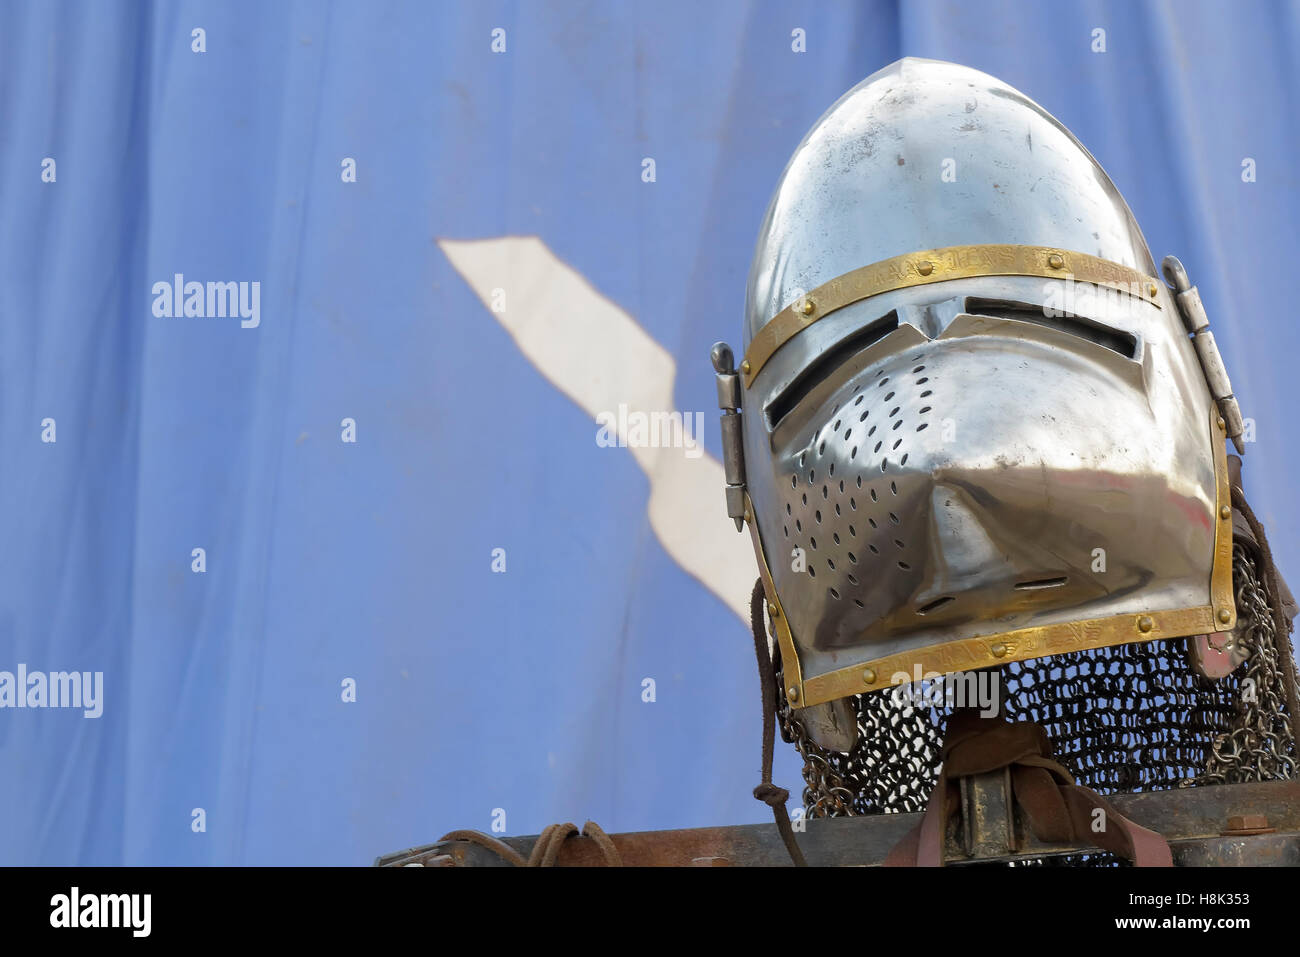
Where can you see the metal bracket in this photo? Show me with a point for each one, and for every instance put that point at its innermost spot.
(988, 815)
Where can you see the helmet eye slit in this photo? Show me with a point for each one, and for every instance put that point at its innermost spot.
(1116, 340)
(827, 364)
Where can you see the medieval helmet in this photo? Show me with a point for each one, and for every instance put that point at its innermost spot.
(971, 426)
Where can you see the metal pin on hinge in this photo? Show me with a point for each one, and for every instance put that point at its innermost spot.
(1198, 326)
(733, 456)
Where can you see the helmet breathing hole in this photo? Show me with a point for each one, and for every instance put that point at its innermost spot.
(934, 605)
(1040, 583)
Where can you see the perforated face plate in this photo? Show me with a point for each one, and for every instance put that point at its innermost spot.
(845, 509)
(968, 475)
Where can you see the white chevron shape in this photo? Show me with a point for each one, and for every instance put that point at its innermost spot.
(601, 358)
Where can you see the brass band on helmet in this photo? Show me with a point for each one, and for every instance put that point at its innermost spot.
(940, 265)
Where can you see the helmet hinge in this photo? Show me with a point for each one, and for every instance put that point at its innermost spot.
(1197, 324)
(733, 455)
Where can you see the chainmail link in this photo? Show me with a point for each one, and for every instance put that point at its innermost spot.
(1128, 718)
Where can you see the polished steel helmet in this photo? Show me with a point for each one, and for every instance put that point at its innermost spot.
(970, 425)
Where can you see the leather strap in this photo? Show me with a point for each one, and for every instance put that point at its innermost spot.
(1057, 809)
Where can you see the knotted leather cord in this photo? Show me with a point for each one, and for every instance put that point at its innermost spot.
(548, 845)
(603, 841)
(1057, 809)
(767, 792)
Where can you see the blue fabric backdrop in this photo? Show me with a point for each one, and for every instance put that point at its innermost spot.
(328, 560)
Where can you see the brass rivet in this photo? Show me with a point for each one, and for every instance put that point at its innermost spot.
(807, 307)
(925, 267)
(1225, 512)
(869, 676)
(792, 693)
(1055, 261)
(1225, 616)
(1145, 623)
(1222, 424)
(999, 650)
(744, 367)
(771, 609)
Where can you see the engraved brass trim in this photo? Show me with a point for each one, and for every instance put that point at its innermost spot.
(940, 265)
(1026, 643)
(1221, 590)
(1023, 644)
